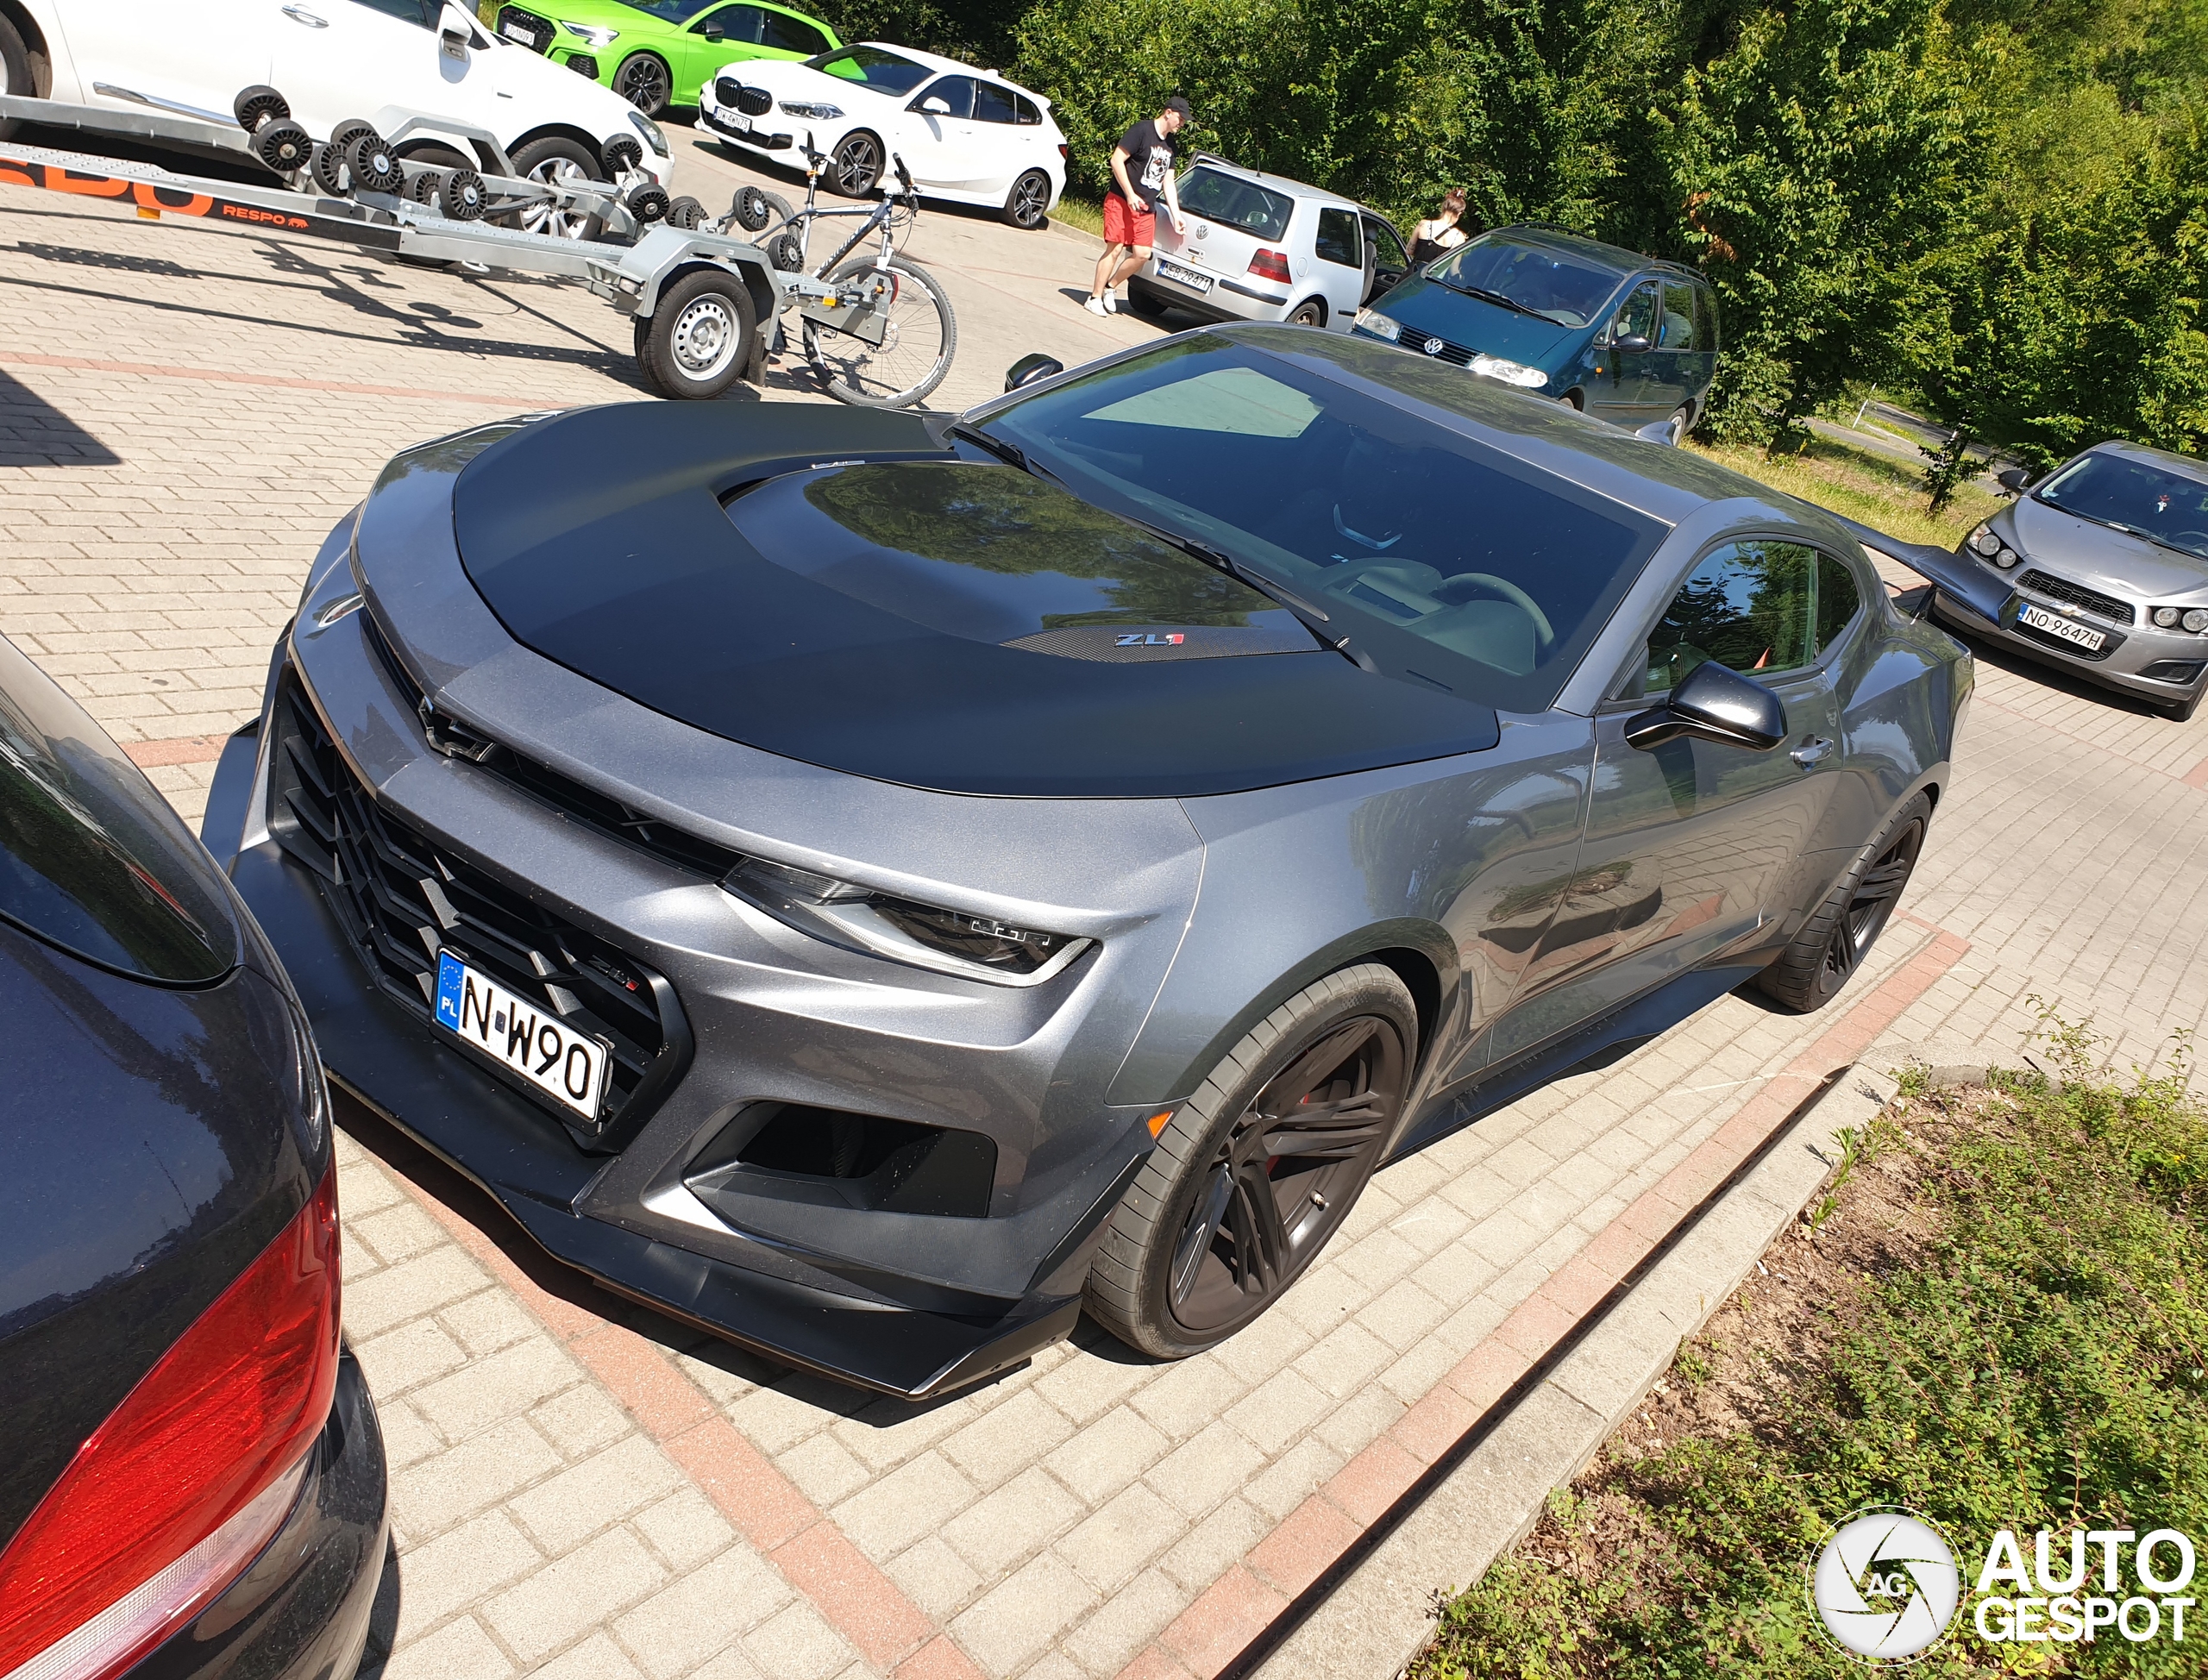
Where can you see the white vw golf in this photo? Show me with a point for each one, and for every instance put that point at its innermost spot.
(968, 136)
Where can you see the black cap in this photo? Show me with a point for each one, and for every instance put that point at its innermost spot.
(1177, 103)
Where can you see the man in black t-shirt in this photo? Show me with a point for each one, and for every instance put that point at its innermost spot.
(1142, 176)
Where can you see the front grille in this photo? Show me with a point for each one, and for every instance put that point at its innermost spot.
(727, 90)
(752, 101)
(401, 900)
(526, 28)
(1455, 354)
(563, 793)
(2077, 594)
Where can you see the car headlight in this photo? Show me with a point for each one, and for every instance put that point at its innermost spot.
(1510, 372)
(2007, 558)
(2195, 619)
(812, 110)
(1984, 543)
(950, 942)
(1379, 325)
(2166, 616)
(596, 35)
(649, 130)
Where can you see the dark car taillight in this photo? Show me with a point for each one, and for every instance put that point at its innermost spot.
(183, 1484)
(1271, 266)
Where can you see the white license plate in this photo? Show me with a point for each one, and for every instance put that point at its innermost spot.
(730, 120)
(515, 32)
(2068, 629)
(525, 1036)
(1188, 277)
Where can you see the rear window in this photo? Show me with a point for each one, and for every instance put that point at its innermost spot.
(869, 66)
(92, 858)
(1242, 206)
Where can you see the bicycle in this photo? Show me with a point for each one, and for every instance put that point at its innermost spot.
(883, 333)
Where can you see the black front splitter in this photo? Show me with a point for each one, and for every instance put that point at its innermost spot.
(389, 1059)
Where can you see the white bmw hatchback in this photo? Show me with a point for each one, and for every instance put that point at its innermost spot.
(967, 135)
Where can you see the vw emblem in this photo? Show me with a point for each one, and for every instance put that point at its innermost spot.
(1201, 229)
(1432, 346)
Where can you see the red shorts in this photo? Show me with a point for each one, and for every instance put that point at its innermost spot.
(1125, 225)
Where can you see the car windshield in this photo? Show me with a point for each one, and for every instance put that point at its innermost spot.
(2134, 496)
(1567, 289)
(1445, 563)
(871, 67)
(669, 11)
(92, 858)
(1243, 205)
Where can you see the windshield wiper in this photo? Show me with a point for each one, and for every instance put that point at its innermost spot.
(2143, 534)
(1488, 297)
(1311, 617)
(1010, 453)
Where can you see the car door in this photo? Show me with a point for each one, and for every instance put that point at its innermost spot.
(999, 148)
(1386, 262)
(201, 57)
(340, 59)
(1619, 392)
(1692, 847)
(784, 36)
(1337, 271)
(1676, 360)
(722, 35)
(940, 119)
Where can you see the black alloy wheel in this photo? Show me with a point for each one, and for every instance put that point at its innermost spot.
(1832, 944)
(857, 164)
(1029, 205)
(645, 82)
(1255, 1173)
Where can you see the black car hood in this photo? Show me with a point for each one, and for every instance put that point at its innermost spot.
(828, 585)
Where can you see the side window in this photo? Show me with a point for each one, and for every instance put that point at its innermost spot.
(1638, 315)
(423, 14)
(1746, 605)
(790, 35)
(1338, 240)
(1837, 599)
(992, 103)
(1393, 260)
(1030, 114)
(956, 91)
(738, 23)
(1677, 331)
(1705, 319)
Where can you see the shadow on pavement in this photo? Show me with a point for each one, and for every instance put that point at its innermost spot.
(33, 433)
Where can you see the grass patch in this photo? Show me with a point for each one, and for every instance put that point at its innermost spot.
(1887, 494)
(1081, 213)
(1998, 1319)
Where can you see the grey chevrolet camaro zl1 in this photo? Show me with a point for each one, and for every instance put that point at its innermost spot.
(876, 885)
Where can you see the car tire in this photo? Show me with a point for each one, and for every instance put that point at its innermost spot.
(548, 160)
(1145, 302)
(1311, 312)
(1681, 423)
(1027, 206)
(1574, 401)
(1190, 1256)
(645, 82)
(17, 78)
(1824, 956)
(698, 341)
(854, 167)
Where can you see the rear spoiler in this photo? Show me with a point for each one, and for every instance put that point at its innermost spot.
(1959, 579)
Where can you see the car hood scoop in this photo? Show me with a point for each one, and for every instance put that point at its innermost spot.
(829, 585)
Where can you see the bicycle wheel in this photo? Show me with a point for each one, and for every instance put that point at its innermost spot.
(920, 336)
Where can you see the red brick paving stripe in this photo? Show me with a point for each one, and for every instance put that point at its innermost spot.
(939, 1659)
(740, 1480)
(845, 1587)
(225, 376)
(180, 749)
(1363, 1490)
(2197, 776)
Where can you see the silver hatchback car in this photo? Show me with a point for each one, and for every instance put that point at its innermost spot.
(1255, 246)
(2101, 568)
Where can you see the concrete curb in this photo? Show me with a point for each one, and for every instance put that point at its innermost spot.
(1946, 1063)
(1373, 1623)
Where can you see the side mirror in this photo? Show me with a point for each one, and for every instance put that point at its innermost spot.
(455, 42)
(2014, 479)
(1632, 342)
(1714, 703)
(934, 105)
(1028, 369)
(713, 31)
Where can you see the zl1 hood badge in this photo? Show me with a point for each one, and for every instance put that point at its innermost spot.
(1172, 639)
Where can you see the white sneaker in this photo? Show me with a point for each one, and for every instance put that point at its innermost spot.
(1096, 305)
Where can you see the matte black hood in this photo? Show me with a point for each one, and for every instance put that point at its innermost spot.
(830, 586)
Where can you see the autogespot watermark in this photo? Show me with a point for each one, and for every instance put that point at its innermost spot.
(1888, 1586)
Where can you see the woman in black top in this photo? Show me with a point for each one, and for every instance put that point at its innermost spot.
(1437, 234)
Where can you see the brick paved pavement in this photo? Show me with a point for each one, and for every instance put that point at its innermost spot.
(580, 1488)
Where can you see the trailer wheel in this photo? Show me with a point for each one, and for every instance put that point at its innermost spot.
(283, 146)
(698, 341)
(620, 155)
(329, 170)
(648, 203)
(460, 195)
(422, 185)
(373, 165)
(256, 105)
(754, 208)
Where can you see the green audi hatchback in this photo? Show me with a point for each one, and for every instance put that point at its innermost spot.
(657, 53)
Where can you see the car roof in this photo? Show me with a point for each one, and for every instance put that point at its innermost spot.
(937, 61)
(2191, 466)
(1298, 190)
(1555, 238)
